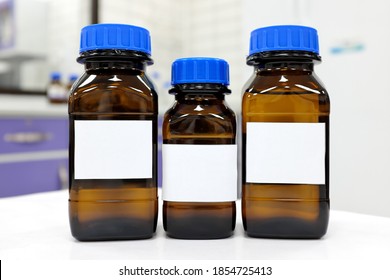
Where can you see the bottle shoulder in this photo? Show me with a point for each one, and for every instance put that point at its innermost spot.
(199, 121)
(284, 83)
(284, 92)
(112, 92)
(199, 110)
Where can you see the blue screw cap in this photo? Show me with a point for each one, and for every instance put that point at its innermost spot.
(55, 76)
(73, 77)
(284, 38)
(200, 70)
(109, 36)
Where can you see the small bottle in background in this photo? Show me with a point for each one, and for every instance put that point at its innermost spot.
(56, 91)
(72, 78)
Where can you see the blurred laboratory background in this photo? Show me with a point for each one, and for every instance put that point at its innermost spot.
(39, 42)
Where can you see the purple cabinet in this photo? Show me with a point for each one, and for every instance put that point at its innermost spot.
(33, 155)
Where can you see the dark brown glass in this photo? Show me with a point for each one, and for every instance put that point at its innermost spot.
(184, 123)
(285, 89)
(113, 88)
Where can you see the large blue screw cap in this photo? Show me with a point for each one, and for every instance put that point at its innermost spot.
(200, 70)
(109, 36)
(284, 38)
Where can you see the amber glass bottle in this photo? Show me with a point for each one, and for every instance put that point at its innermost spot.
(56, 91)
(285, 124)
(113, 137)
(199, 152)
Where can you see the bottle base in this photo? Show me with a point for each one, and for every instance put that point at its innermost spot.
(199, 220)
(97, 214)
(199, 237)
(199, 228)
(284, 219)
(113, 229)
(285, 228)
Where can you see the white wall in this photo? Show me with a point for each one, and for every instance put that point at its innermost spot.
(359, 94)
(65, 20)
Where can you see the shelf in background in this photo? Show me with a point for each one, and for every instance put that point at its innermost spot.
(17, 105)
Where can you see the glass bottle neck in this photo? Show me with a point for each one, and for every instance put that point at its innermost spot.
(285, 66)
(299, 62)
(109, 60)
(110, 64)
(200, 97)
(189, 93)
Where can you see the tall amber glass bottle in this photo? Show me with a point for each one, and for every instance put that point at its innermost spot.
(285, 124)
(199, 152)
(113, 137)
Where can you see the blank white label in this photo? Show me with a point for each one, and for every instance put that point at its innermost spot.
(285, 153)
(199, 173)
(113, 149)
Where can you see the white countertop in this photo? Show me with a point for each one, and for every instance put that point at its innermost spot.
(15, 105)
(36, 227)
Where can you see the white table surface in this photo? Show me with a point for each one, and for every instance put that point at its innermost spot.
(36, 227)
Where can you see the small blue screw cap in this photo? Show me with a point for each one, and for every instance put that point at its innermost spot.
(200, 70)
(55, 76)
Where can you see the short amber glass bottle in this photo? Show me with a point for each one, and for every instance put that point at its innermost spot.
(113, 137)
(285, 124)
(56, 91)
(199, 152)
